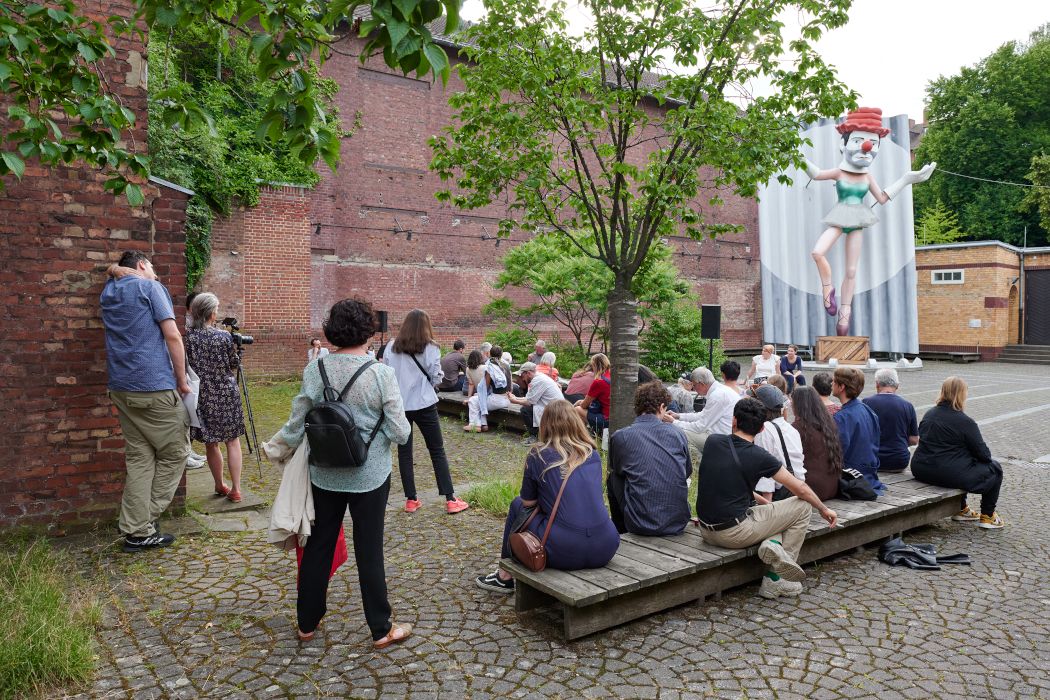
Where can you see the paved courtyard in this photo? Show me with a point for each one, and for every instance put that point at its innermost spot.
(214, 615)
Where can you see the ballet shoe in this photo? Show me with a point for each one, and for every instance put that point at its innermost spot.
(831, 306)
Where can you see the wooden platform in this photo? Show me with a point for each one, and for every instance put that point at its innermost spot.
(454, 403)
(651, 574)
(847, 349)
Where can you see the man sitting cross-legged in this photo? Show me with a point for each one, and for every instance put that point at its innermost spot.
(648, 467)
(717, 415)
(725, 502)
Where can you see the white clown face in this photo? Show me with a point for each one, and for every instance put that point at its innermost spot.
(859, 151)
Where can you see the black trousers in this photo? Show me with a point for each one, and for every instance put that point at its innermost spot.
(615, 489)
(367, 511)
(430, 427)
(527, 414)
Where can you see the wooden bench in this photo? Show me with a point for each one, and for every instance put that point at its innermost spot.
(454, 403)
(651, 574)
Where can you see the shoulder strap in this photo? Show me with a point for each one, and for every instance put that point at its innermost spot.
(783, 446)
(425, 373)
(732, 450)
(342, 394)
(328, 385)
(554, 510)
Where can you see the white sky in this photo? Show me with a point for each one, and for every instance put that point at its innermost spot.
(891, 49)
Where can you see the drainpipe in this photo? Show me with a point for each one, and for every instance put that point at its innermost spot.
(1022, 330)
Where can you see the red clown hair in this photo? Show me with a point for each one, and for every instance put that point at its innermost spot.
(864, 119)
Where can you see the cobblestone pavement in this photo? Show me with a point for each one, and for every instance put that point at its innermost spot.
(213, 616)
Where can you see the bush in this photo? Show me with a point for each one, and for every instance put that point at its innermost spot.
(49, 620)
(493, 496)
(517, 341)
(571, 357)
(672, 343)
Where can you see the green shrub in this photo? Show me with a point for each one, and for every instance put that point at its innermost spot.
(493, 496)
(571, 357)
(49, 620)
(517, 341)
(672, 344)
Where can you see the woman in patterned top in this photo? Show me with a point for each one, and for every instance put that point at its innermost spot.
(213, 356)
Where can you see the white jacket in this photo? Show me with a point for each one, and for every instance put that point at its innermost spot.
(293, 509)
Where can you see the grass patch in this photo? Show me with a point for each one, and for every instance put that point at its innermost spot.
(50, 616)
(493, 496)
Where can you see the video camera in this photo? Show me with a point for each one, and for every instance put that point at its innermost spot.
(238, 338)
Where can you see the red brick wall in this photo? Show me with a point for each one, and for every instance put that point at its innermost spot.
(61, 446)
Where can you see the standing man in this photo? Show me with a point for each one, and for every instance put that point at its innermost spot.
(147, 379)
(541, 348)
(454, 365)
(542, 390)
(717, 416)
(649, 467)
(858, 427)
(898, 427)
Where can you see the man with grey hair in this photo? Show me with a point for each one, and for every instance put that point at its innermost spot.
(717, 416)
(898, 427)
(541, 348)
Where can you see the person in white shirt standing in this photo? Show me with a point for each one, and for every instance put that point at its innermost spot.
(542, 390)
(717, 416)
(780, 439)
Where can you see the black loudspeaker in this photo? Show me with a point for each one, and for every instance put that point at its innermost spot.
(381, 317)
(710, 321)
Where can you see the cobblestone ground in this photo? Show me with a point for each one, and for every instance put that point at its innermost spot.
(214, 615)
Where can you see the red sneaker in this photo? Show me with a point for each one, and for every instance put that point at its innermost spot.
(456, 505)
(412, 505)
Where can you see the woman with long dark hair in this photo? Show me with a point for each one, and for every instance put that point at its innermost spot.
(582, 535)
(820, 442)
(416, 360)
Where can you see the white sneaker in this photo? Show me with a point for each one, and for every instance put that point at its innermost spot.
(778, 559)
(771, 589)
(192, 463)
(196, 457)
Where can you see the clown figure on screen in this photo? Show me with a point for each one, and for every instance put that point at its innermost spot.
(862, 132)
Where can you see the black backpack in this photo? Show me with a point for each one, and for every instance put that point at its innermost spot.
(335, 439)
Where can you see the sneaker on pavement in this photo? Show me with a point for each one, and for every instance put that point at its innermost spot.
(456, 505)
(138, 544)
(192, 463)
(492, 582)
(771, 589)
(412, 505)
(992, 522)
(782, 563)
(966, 515)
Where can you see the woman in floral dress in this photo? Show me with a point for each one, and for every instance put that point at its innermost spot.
(213, 356)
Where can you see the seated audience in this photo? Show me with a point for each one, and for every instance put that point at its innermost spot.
(726, 508)
(490, 395)
(542, 391)
(580, 382)
(822, 384)
(780, 439)
(682, 394)
(475, 376)
(717, 416)
(648, 468)
(821, 447)
(582, 536)
(780, 383)
(952, 453)
(540, 350)
(764, 366)
(730, 370)
(858, 427)
(791, 369)
(898, 427)
(546, 365)
(593, 408)
(454, 365)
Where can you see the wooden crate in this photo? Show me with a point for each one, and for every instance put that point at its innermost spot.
(848, 349)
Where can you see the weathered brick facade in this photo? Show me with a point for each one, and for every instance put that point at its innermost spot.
(359, 245)
(63, 454)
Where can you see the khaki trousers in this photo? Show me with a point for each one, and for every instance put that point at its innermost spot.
(156, 443)
(697, 440)
(786, 521)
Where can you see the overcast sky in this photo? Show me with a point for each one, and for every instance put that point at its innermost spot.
(891, 49)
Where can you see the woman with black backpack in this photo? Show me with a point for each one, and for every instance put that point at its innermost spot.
(416, 360)
(373, 399)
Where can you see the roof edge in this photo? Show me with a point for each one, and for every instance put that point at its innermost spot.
(170, 185)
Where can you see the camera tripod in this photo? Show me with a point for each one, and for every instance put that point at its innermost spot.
(250, 436)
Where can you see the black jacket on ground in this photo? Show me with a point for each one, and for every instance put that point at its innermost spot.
(950, 444)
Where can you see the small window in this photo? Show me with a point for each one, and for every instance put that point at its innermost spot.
(947, 277)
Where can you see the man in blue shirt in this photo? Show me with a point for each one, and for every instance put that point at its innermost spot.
(648, 468)
(147, 379)
(898, 426)
(858, 427)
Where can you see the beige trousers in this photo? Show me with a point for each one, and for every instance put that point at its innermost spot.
(786, 521)
(156, 443)
(697, 440)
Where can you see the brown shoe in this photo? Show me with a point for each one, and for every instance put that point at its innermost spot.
(397, 633)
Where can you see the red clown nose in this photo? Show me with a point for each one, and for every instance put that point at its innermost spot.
(867, 146)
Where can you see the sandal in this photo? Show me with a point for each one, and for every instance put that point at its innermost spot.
(397, 633)
(223, 491)
(234, 496)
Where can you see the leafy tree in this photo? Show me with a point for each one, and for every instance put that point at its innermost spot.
(581, 133)
(572, 286)
(61, 112)
(990, 121)
(672, 343)
(938, 224)
(1038, 198)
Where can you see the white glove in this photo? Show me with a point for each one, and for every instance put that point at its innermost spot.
(915, 176)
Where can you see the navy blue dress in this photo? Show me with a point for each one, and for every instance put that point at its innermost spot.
(583, 536)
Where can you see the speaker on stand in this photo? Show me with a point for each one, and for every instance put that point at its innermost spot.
(710, 329)
(382, 317)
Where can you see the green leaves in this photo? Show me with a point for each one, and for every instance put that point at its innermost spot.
(14, 164)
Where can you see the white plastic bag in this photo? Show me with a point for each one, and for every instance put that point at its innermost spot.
(190, 399)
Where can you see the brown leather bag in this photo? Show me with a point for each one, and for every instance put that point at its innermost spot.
(526, 547)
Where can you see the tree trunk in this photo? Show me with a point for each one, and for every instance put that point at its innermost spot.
(623, 344)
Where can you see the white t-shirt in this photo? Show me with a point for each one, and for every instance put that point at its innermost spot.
(766, 368)
(769, 441)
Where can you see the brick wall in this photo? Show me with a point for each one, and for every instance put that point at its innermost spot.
(63, 454)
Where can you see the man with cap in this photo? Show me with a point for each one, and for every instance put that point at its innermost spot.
(717, 416)
(541, 391)
(780, 439)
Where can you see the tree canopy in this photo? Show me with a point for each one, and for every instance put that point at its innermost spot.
(624, 130)
(991, 121)
(938, 224)
(62, 110)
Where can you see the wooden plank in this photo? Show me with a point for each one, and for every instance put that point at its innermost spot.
(660, 544)
(528, 598)
(895, 478)
(561, 584)
(669, 564)
(644, 574)
(613, 582)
